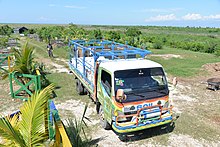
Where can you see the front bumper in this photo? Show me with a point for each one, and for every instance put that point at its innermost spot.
(141, 122)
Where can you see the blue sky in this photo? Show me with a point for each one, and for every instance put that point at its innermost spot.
(205, 13)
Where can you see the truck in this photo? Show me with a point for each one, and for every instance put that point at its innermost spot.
(130, 91)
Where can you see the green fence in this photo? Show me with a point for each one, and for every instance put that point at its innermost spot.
(22, 86)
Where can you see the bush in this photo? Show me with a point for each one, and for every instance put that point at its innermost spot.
(133, 32)
(158, 45)
(6, 30)
(217, 52)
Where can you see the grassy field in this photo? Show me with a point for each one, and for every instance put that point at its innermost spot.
(189, 63)
(199, 118)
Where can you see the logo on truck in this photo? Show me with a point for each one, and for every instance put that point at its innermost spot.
(144, 105)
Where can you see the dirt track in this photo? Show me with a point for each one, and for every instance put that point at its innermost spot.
(198, 124)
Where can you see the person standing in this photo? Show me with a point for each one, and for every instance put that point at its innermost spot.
(50, 50)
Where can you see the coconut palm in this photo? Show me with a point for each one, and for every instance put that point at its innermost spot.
(24, 59)
(24, 63)
(30, 130)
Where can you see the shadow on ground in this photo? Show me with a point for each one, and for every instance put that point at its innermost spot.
(147, 133)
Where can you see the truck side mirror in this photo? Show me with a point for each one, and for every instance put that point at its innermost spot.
(175, 81)
(120, 95)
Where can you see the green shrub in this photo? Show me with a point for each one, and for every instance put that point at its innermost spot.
(217, 52)
(158, 45)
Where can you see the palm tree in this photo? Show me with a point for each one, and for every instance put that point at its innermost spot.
(23, 63)
(24, 59)
(30, 130)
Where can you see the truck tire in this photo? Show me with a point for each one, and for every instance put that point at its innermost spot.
(97, 103)
(103, 121)
(79, 87)
(85, 92)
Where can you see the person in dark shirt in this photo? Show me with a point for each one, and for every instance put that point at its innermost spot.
(50, 50)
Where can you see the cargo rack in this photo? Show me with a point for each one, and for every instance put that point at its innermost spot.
(107, 48)
(111, 50)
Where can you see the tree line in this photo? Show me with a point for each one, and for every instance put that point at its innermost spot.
(195, 39)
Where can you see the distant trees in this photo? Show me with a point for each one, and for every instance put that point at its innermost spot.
(115, 35)
(97, 34)
(3, 41)
(153, 37)
(50, 33)
(6, 30)
(133, 32)
(30, 31)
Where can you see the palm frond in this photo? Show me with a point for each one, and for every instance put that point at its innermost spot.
(32, 123)
(23, 59)
(9, 131)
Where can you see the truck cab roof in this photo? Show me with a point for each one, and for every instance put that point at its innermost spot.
(125, 64)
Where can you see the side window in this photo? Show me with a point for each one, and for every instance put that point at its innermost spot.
(106, 81)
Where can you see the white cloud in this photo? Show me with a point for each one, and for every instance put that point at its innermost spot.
(168, 17)
(217, 16)
(196, 16)
(193, 16)
(74, 7)
(187, 17)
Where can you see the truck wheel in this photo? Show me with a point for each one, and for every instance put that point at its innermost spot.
(85, 92)
(103, 121)
(97, 103)
(79, 87)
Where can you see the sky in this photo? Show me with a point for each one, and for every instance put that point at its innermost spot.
(203, 13)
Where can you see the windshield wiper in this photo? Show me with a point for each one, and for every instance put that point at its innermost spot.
(132, 93)
(158, 90)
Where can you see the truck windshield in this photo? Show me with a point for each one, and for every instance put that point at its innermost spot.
(141, 84)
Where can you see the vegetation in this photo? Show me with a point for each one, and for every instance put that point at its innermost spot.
(24, 63)
(24, 60)
(3, 41)
(194, 39)
(30, 130)
(76, 130)
(6, 30)
(188, 64)
(186, 42)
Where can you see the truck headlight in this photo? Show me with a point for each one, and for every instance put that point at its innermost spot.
(116, 113)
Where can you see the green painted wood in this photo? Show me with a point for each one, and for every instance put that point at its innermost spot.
(34, 80)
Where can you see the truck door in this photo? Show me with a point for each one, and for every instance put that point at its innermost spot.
(104, 89)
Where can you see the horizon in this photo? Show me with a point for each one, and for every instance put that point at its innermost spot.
(197, 13)
(108, 25)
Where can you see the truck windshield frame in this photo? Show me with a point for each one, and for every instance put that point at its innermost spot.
(141, 84)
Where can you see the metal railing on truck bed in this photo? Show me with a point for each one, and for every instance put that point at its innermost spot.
(84, 55)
